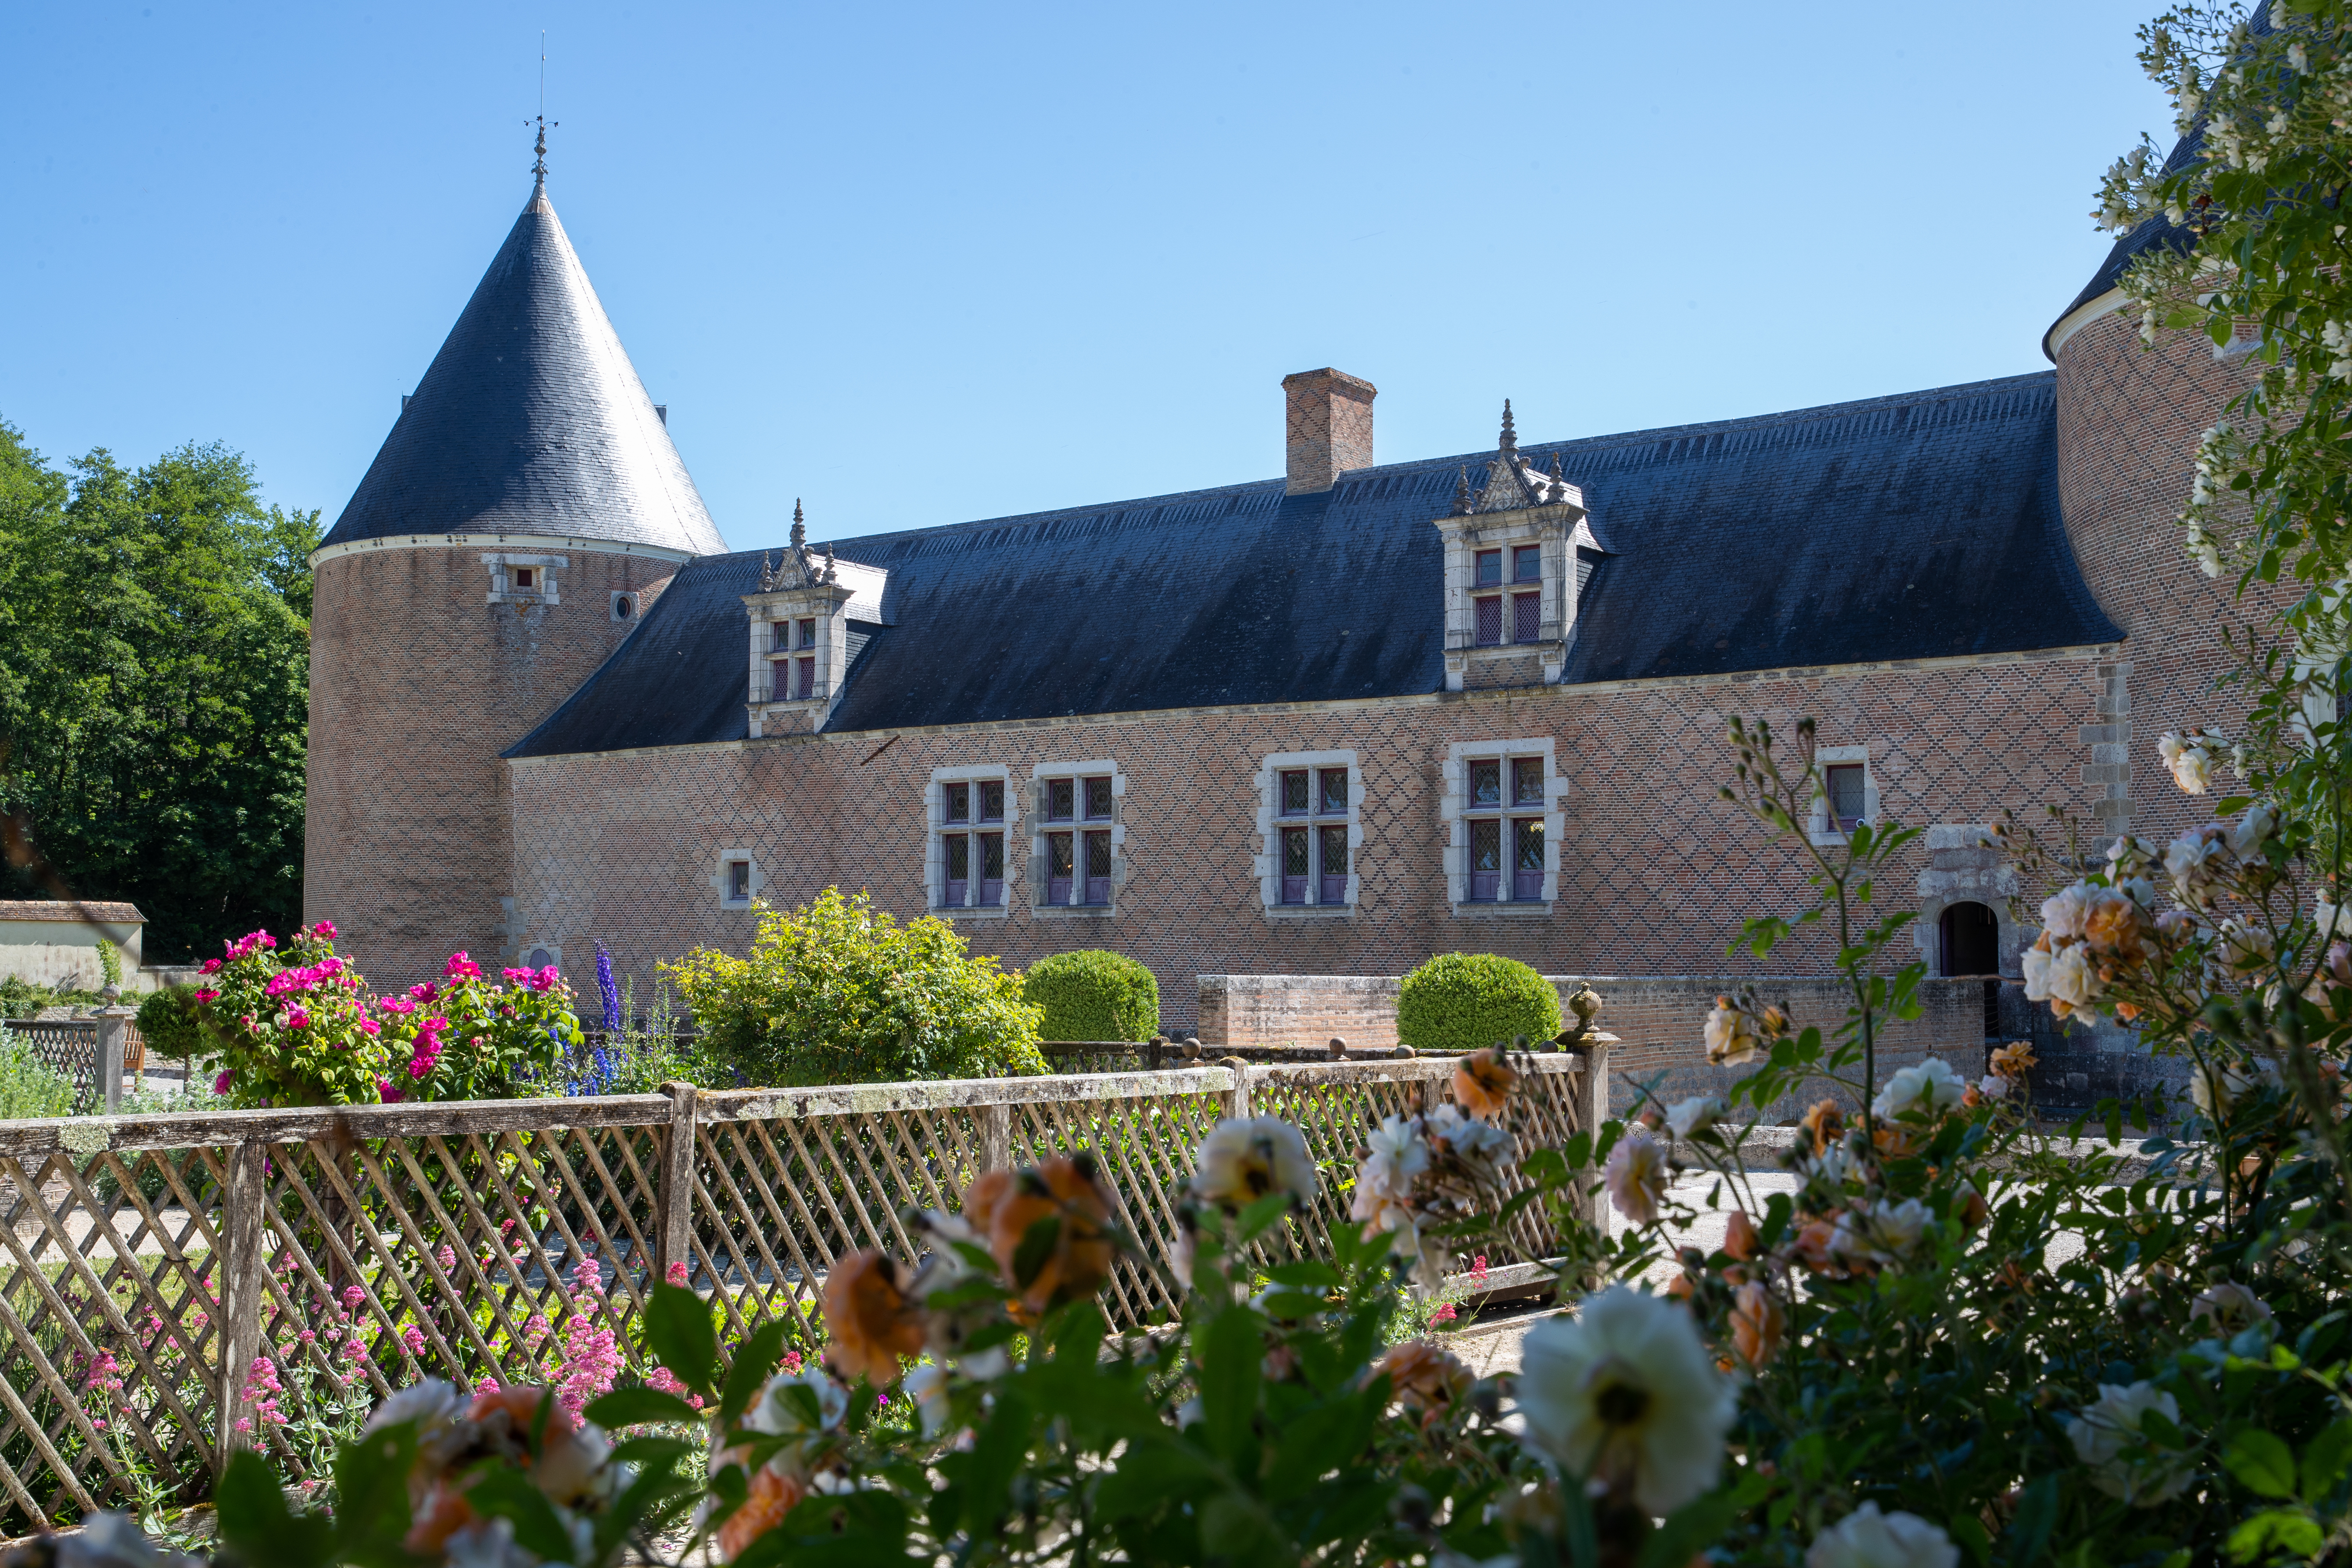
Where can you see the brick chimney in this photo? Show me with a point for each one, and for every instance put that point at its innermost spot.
(1327, 427)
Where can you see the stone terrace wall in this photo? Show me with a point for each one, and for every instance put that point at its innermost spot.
(1659, 1020)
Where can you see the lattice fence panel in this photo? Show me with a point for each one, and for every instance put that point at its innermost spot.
(1143, 1146)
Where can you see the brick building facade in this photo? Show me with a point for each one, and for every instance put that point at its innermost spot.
(1323, 724)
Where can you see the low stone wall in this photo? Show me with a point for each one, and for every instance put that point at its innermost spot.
(1659, 1020)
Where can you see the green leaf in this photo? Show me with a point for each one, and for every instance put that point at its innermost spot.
(640, 1406)
(1036, 1247)
(1968, 1532)
(2323, 1460)
(1689, 1530)
(678, 1332)
(2261, 1462)
(1254, 1220)
(755, 1360)
(2028, 1528)
(255, 1522)
(2278, 1530)
(1309, 1275)
(1230, 1354)
(509, 1495)
(371, 1485)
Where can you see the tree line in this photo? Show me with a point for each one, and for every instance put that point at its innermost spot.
(155, 679)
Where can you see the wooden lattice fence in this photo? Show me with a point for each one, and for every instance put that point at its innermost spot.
(172, 1284)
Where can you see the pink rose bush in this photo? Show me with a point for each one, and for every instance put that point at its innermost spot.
(297, 1025)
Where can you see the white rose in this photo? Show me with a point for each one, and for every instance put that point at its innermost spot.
(2072, 980)
(2035, 963)
(1883, 1234)
(779, 1416)
(1869, 1538)
(1626, 1391)
(2123, 1461)
(1732, 1038)
(1992, 1086)
(1635, 1173)
(2064, 912)
(1932, 1087)
(2260, 822)
(1245, 1158)
(1695, 1115)
(1397, 1155)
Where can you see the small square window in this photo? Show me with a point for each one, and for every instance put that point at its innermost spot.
(1333, 798)
(1527, 563)
(808, 631)
(955, 802)
(1486, 783)
(738, 881)
(1844, 784)
(1490, 568)
(992, 800)
(1527, 781)
(1061, 802)
(1098, 800)
(523, 576)
(1294, 793)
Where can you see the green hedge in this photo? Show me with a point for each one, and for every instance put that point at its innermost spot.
(1461, 1001)
(1092, 995)
(168, 1023)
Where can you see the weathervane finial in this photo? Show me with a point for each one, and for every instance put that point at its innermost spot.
(539, 165)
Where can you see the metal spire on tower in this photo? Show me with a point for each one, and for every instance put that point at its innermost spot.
(539, 164)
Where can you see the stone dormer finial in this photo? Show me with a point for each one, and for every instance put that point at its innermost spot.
(1555, 477)
(800, 527)
(1510, 436)
(830, 573)
(766, 573)
(1461, 493)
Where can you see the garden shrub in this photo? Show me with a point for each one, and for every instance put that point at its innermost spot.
(837, 991)
(1092, 994)
(171, 1023)
(1461, 1001)
(29, 1087)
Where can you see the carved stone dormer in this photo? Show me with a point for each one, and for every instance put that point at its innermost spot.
(1510, 579)
(801, 641)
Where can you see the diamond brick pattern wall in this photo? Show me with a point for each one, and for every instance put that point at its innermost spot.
(416, 685)
(1658, 872)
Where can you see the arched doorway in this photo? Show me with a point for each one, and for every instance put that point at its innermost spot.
(1971, 939)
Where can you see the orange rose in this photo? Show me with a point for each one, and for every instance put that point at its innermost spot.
(1813, 1240)
(771, 1496)
(445, 1513)
(1825, 1121)
(867, 1319)
(1972, 1206)
(2013, 1060)
(1758, 1324)
(1424, 1379)
(1063, 1188)
(1740, 1237)
(981, 1200)
(1482, 1082)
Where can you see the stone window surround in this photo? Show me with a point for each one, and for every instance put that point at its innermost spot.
(502, 564)
(1271, 768)
(1817, 824)
(935, 857)
(827, 604)
(1965, 866)
(1038, 828)
(1452, 815)
(718, 879)
(636, 602)
(1465, 538)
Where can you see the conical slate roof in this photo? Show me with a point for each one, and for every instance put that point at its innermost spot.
(531, 420)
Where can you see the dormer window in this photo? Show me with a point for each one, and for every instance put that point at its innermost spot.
(1509, 603)
(803, 642)
(517, 579)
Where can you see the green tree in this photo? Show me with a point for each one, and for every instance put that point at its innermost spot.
(154, 672)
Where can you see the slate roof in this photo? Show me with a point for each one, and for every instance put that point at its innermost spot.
(1908, 527)
(531, 420)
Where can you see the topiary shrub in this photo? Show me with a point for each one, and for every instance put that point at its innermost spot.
(837, 991)
(1461, 1001)
(1092, 995)
(169, 1023)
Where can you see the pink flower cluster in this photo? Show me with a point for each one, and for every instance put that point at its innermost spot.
(536, 979)
(210, 966)
(427, 1050)
(204, 996)
(591, 1352)
(247, 945)
(461, 967)
(261, 1390)
(665, 1380)
(324, 930)
(675, 1273)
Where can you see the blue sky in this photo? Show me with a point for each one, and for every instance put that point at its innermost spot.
(920, 264)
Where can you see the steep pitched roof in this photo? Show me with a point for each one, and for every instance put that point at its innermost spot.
(531, 420)
(1906, 527)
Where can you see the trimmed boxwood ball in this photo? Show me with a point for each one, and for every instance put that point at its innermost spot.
(1461, 1001)
(1092, 994)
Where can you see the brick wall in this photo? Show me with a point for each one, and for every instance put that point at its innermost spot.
(1659, 1020)
(1657, 872)
(416, 685)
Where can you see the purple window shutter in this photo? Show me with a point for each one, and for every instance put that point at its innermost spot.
(1058, 865)
(991, 870)
(1490, 620)
(1526, 865)
(1333, 888)
(1098, 867)
(1294, 865)
(1486, 859)
(959, 870)
(1526, 616)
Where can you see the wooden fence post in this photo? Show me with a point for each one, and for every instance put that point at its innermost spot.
(674, 1224)
(244, 1266)
(995, 1125)
(1592, 1111)
(1237, 1099)
(113, 1038)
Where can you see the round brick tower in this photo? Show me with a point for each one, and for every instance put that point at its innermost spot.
(526, 509)
(2129, 419)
